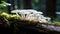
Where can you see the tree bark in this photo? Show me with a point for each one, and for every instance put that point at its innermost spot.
(51, 8)
(27, 4)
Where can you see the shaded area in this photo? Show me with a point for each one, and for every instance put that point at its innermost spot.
(27, 4)
(22, 27)
(51, 8)
(0, 1)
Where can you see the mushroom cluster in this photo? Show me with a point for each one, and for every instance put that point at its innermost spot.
(32, 15)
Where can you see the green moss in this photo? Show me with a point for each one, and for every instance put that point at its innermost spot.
(8, 16)
(15, 16)
(57, 23)
(5, 15)
(49, 22)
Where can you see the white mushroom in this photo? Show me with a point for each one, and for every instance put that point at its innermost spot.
(31, 10)
(24, 13)
(30, 14)
(15, 11)
(38, 12)
(48, 18)
(43, 21)
(27, 12)
(31, 17)
(37, 15)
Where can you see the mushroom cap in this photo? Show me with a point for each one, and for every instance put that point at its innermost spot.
(28, 11)
(38, 13)
(48, 18)
(24, 12)
(15, 11)
(32, 10)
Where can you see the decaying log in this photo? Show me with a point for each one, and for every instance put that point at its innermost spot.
(39, 27)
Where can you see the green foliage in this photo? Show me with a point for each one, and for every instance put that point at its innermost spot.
(3, 8)
(3, 2)
(8, 16)
(36, 1)
(5, 15)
